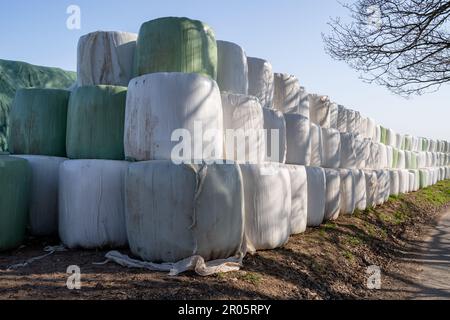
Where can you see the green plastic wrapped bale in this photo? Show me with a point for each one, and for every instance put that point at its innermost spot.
(95, 123)
(15, 75)
(15, 179)
(176, 45)
(383, 135)
(38, 122)
(394, 157)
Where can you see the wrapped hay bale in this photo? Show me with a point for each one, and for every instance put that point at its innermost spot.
(319, 110)
(303, 107)
(243, 122)
(416, 185)
(176, 45)
(373, 159)
(261, 81)
(298, 139)
(15, 178)
(401, 161)
(403, 181)
(342, 119)
(267, 199)
(316, 146)
(394, 177)
(383, 137)
(360, 190)
(391, 138)
(299, 202)
(91, 203)
(389, 156)
(348, 192)
(275, 125)
(95, 123)
(333, 199)
(370, 130)
(371, 187)
(424, 178)
(38, 122)
(358, 123)
(398, 141)
(351, 121)
(174, 116)
(207, 218)
(106, 58)
(232, 68)
(43, 205)
(348, 151)
(383, 156)
(316, 196)
(411, 181)
(331, 148)
(362, 151)
(383, 180)
(377, 134)
(286, 97)
(334, 112)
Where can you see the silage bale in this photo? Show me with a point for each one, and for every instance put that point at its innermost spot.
(358, 123)
(333, 199)
(95, 123)
(411, 181)
(407, 143)
(360, 190)
(331, 148)
(275, 125)
(15, 179)
(207, 218)
(342, 119)
(319, 110)
(351, 121)
(163, 108)
(286, 96)
(403, 181)
(261, 81)
(383, 156)
(371, 187)
(416, 185)
(383, 137)
(316, 196)
(232, 68)
(298, 139)
(347, 193)
(299, 200)
(334, 112)
(243, 122)
(303, 107)
(390, 156)
(377, 134)
(401, 160)
(371, 128)
(106, 58)
(91, 203)
(176, 45)
(423, 178)
(421, 160)
(362, 151)
(348, 151)
(373, 159)
(43, 204)
(316, 146)
(38, 122)
(391, 138)
(398, 141)
(267, 199)
(383, 192)
(394, 182)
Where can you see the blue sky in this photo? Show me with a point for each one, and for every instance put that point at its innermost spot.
(285, 32)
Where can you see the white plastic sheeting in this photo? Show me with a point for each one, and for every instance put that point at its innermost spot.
(106, 58)
(43, 205)
(331, 139)
(362, 151)
(371, 187)
(303, 107)
(276, 138)
(286, 93)
(319, 110)
(316, 196)
(403, 181)
(159, 104)
(370, 130)
(342, 119)
(267, 190)
(347, 194)
(174, 212)
(360, 190)
(391, 138)
(412, 181)
(299, 203)
(316, 145)
(348, 151)
(261, 81)
(334, 112)
(91, 203)
(401, 160)
(351, 121)
(232, 68)
(394, 177)
(298, 135)
(383, 181)
(243, 122)
(333, 199)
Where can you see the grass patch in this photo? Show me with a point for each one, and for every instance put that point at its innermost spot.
(348, 255)
(253, 278)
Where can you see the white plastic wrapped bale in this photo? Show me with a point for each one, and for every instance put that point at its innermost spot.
(316, 196)
(391, 138)
(232, 68)
(173, 116)
(370, 130)
(373, 160)
(363, 129)
(316, 145)
(429, 159)
(347, 194)
(383, 156)
(260, 81)
(383, 180)
(351, 121)
(303, 107)
(267, 190)
(174, 212)
(416, 186)
(377, 134)
(342, 119)
(407, 143)
(447, 173)
(334, 111)
(331, 139)
(319, 110)
(299, 203)
(333, 199)
(298, 135)
(394, 182)
(362, 151)
(390, 156)
(106, 58)
(371, 187)
(398, 141)
(411, 181)
(348, 151)
(286, 96)
(421, 160)
(424, 178)
(358, 123)
(243, 122)
(276, 138)
(403, 181)
(91, 203)
(360, 190)
(43, 205)
(401, 164)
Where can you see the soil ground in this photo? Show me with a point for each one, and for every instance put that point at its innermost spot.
(329, 262)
